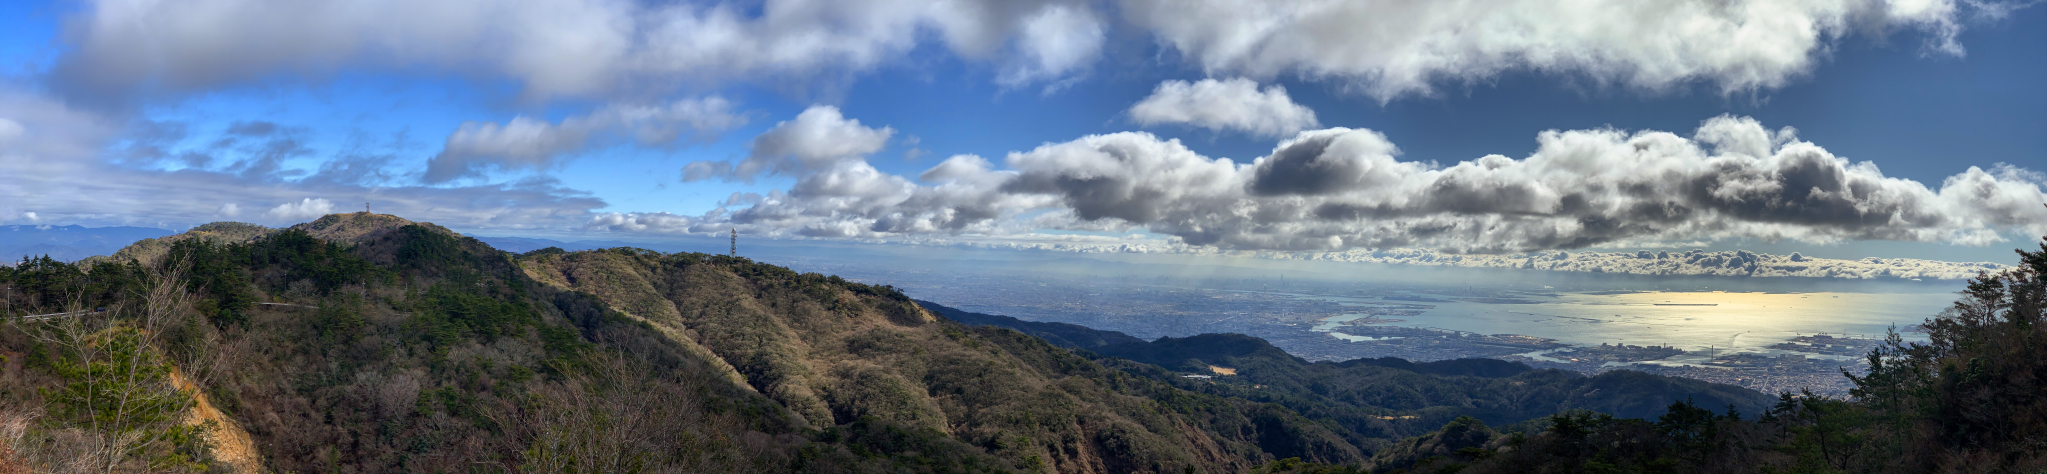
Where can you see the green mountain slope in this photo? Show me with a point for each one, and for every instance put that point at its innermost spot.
(392, 346)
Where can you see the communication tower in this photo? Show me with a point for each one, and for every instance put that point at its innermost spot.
(735, 242)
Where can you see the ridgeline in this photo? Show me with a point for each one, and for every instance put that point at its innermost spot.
(369, 343)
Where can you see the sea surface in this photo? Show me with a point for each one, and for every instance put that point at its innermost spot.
(1734, 322)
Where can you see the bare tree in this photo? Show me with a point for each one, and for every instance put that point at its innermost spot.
(66, 451)
(609, 418)
(590, 423)
(123, 384)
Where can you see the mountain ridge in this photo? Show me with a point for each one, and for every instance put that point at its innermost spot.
(388, 332)
(402, 346)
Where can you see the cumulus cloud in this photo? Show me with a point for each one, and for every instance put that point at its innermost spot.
(558, 48)
(617, 48)
(1728, 263)
(654, 222)
(1732, 263)
(525, 143)
(1330, 161)
(816, 139)
(1692, 262)
(1233, 104)
(305, 209)
(1055, 42)
(849, 198)
(1389, 49)
(1341, 189)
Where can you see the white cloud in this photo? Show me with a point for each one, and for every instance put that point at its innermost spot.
(10, 130)
(1694, 262)
(519, 143)
(816, 139)
(524, 143)
(622, 48)
(77, 182)
(229, 210)
(31, 216)
(1233, 104)
(1343, 189)
(1730, 263)
(1055, 42)
(554, 48)
(1322, 190)
(657, 222)
(305, 209)
(1391, 49)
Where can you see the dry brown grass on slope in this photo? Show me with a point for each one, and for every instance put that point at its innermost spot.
(355, 226)
(350, 227)
(743, 331)
(620, 279)
(559, 272)
(149, 250)
(837, 356)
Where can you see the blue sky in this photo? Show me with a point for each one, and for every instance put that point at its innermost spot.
(274, 114)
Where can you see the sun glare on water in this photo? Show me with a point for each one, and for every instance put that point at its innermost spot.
(1709, 322)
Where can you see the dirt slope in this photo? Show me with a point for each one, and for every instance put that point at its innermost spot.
(229, 442)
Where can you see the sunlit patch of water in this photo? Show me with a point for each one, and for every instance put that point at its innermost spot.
(1706, 324)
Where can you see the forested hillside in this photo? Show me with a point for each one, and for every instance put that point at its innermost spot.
(842, 355)
(367, 343)
(363, 343)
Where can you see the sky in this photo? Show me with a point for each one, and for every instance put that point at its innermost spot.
(1843, 129)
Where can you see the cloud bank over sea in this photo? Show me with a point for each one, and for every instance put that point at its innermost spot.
(1342, 189)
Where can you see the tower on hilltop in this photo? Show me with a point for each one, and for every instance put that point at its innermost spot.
(735, 242)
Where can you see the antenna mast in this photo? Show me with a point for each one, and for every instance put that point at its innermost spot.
(735, 241)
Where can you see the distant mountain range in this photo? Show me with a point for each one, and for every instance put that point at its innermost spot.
(527, 244)
(1495, 391)
(68, 243)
